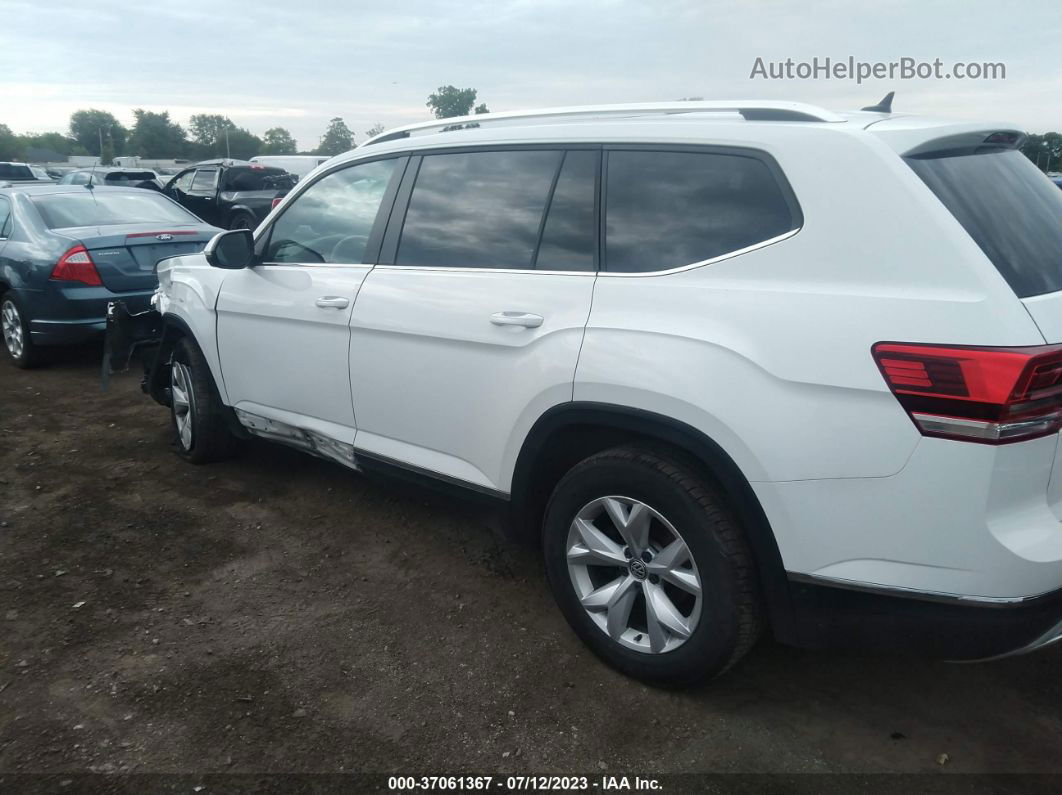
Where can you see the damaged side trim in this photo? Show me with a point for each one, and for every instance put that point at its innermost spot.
(300, 438)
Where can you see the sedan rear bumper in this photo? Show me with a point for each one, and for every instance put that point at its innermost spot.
(77, 314)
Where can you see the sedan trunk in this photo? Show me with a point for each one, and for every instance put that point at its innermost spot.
(125, 256)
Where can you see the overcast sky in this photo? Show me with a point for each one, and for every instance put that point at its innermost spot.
(298, 63)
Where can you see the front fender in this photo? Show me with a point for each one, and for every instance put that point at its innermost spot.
(187, 298)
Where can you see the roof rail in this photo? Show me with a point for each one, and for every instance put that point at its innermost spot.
(751, 110)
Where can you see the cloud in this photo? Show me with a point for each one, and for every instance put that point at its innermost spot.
(299, 64)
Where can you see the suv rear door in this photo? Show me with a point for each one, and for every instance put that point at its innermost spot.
(283, 325)
(470, 326)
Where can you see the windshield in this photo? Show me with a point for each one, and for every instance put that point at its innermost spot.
(1011, 210)
(101, 208)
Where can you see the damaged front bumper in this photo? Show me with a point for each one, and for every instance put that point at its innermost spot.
(129, 336)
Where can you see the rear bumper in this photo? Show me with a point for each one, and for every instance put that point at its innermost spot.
(68, 315)
(836, 615)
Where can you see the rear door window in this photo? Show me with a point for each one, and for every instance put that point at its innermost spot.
(478, 209)
(5, 216)
(1011, 210)
(666, 210)
(569, 235)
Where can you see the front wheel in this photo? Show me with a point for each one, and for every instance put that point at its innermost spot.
(196, 412)
(650, 568)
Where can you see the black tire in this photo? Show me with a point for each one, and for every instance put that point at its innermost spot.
(243, 221)
(208, 437)
(730, 611)
(28, 355)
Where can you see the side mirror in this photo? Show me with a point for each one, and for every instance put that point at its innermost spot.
(231, 250)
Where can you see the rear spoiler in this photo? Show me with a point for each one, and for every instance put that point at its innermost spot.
(918, 138)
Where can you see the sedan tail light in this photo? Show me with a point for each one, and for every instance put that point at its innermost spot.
(987, 395)
(77, 266)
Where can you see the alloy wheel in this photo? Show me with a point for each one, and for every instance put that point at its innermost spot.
(11, 322)
(633, 574)
(183, 402)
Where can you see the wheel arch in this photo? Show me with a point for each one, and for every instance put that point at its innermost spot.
(567, 434)
(240, 209)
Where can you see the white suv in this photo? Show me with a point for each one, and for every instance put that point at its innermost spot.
(742, 365)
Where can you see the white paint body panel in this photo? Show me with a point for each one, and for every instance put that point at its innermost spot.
(188, 289)
(280, 352)
(438, 386)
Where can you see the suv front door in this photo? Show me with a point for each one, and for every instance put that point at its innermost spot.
(283, 325)
(470, 326)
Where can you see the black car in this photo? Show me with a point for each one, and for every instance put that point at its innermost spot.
(232, 194)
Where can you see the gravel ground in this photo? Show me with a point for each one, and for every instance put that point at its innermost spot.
(278, 614)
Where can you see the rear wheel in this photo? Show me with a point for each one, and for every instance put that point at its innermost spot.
(243, 221)
(196, 412)
(15, 328)
(649, 566)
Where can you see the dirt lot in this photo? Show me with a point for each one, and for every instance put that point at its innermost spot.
(279, 614)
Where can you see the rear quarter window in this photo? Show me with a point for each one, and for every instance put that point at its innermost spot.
(1010, 209)
(666, 209)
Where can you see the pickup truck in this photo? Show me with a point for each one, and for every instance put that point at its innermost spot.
(232, 194)
(22, 174)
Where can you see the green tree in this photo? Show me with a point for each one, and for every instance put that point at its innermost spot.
(156, 135)
(278, 141)
(1044, 150)
(448, 101)
(241, 144)
(91, 127)
(208, 129)
(10, 145)
(337, 138)
(57, 142)
(375, 130)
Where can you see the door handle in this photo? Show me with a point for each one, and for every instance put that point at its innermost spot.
(525, 319)
(333, 302)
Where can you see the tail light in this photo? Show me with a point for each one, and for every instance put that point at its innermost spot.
(987, 395)
(276, 201)
(77, 266)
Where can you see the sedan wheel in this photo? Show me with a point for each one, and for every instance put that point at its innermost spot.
(633, 574)
(11, 322)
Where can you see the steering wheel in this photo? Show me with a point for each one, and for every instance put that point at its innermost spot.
(335, 256)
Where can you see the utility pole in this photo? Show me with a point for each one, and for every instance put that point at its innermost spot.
(99, 130)
(228, 156)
